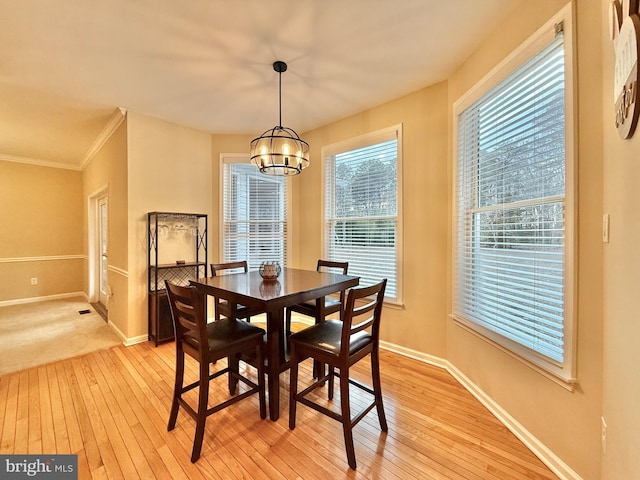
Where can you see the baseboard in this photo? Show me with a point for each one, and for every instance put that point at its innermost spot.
(421, 357)
(126, 341)
(20, 301)
(135, 340)
(550, 459)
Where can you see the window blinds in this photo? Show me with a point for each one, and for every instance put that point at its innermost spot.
(255, 215)
(361, 211)
(511, 198)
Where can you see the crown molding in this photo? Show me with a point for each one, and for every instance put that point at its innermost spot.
(37, 161)
(114, 122)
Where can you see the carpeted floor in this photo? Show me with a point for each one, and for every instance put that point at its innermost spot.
(38, 333)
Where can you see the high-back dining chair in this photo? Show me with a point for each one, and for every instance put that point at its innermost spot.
(207, 343)
(222, 307)
(331, 304)
(341, 344)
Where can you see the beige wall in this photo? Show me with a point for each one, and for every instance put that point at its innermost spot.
(621, 300)
(40, 221)
(419, 324)
(169, 169)
(567, 422)
(107, 173)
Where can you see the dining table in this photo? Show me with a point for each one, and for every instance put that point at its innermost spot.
(273, 296)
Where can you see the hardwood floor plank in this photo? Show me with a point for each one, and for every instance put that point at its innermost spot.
(35, 432)
(4, 392)
(59, 427)
(94, 433)
(115, 456)
(78, 422)
(10, 409)
(83, 465)
(70, 411)
(47, 431)
(21, 444)
(171, 464)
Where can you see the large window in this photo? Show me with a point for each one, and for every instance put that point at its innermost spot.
(254, 214)
(362, 222)
(513, 269)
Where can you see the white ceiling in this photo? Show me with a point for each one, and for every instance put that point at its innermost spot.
(65, 66)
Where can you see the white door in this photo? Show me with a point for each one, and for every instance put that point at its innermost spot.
(102, 249)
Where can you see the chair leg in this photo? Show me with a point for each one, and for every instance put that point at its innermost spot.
(347, 427)
(377, 389)
(177, 387)
(201, 418)
(233, 362)
(293, 387)
(332, 377)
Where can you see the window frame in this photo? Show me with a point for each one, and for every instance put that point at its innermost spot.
(565, 373)
(226, 158)
(354, 143)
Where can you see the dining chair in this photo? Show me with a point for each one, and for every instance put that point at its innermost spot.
(222, 307)
(207, 343)
(341, 344)
(331, 304)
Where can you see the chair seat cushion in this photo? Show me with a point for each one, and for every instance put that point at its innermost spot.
(326, 336)
(225, 332)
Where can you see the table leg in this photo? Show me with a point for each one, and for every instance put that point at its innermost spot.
(275, 357)
(318, 367)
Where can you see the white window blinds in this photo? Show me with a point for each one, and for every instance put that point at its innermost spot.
(511, 205)
(254, 215)
(361, 209)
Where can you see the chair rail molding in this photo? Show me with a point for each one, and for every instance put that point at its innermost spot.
(42, 258)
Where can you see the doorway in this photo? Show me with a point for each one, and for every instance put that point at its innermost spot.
(102, 248)
(99, 252)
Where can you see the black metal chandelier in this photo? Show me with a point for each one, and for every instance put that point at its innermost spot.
(279, 150)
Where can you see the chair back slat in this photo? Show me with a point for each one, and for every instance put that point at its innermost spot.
(329, 266)
(336, 267)
(187, 314)
(228, 267)
(359, 316)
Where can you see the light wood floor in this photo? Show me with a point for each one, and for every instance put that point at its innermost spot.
(111, 409)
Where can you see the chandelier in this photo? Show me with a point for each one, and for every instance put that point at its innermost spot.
(279, 150)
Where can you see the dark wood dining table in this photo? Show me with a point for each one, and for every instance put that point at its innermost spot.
(272, 296)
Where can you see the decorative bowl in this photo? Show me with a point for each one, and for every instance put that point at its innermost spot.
(269, 270)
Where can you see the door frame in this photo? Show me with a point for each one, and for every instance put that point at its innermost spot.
(94, 243)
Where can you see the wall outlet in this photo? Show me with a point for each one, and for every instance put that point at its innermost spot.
(603, 435)
(34, 281)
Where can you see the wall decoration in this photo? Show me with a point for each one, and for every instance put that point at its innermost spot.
(624, 26)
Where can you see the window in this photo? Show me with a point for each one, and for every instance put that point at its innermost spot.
(254, 214)
(362, 201)
(514, 212)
